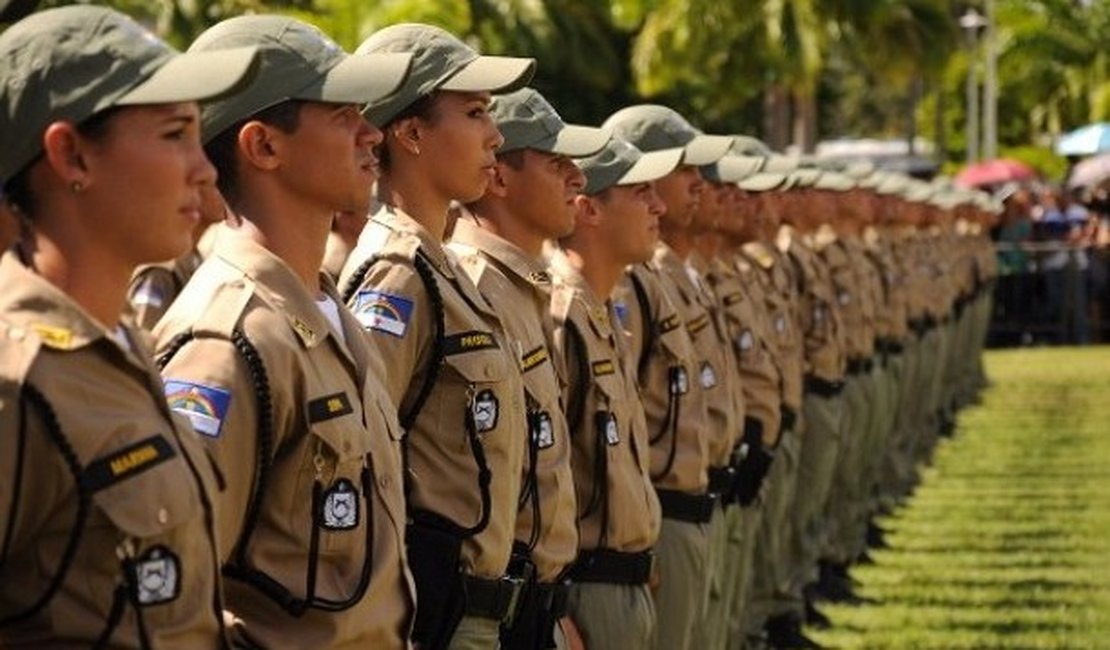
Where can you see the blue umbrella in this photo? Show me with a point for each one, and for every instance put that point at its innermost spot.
(1085, 141)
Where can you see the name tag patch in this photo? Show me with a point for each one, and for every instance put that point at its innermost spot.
(533, 358)
(205, 406)
(329, 407)
(156, 574)
(383, 312)
(468, 342)
(340, 508)
(669, 324)
(484, 411)
(128, 462)
(603, 367)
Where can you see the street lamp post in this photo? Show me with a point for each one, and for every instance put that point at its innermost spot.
(990, 87)
(972, 22)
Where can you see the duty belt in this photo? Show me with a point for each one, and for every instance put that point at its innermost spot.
(788, 418)
(613, 567)
(823, 387)
(552, 597)
(721, 479)
(859, 366)
(691, 508)
(496, 598)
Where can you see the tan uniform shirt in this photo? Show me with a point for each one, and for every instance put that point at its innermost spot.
(818, 314)
(668, 374)
(477, 385)
(774, 272)
(332, 482)
(336, 253)
(617, 505)
(147, 543)
(750, 335)
(521, 288)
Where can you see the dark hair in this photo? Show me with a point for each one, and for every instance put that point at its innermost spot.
(17, 191)
(422, 108)
(222, 149)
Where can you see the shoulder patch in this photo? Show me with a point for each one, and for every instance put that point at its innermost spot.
(130, 461)
(468, 342)
(621, 309)
(329, 407)
(205, 406)
(383, 312)
(533, 359)
(603, 367)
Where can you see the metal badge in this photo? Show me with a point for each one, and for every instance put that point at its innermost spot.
(612, 434)
(340, 510)
(843, 298)
(708, 376)
(780, 324)
(680, 382)
(747, 340)
(543, 434)
(156, 576)
(483, 411)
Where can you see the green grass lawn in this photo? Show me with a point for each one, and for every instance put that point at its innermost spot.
(1006, 544)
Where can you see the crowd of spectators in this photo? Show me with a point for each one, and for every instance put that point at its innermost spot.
(1054, 257)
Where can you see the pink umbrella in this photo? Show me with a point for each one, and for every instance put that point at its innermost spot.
(995, 172)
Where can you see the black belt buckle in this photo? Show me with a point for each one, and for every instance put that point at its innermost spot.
(497, 599)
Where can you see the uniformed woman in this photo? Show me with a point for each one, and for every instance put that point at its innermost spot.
(457, 388)
(106, 535)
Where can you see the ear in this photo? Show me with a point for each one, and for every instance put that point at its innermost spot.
(407, 133)
(64, 150)
(586, 212)
(260, 146)
(499, 186)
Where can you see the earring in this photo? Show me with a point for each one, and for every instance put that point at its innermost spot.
(76, 187)
(415, 150)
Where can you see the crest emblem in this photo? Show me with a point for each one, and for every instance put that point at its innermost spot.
(680, 381)
(543, 434)
(746, 340)
(843, 298)
(156, 576)
(340, 511)
(780, 324)
(609, 423)
(708, 376)
(483, 411)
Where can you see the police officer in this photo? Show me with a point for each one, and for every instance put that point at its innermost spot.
(684, 371)
(452, 374)
(499, 241)
(274, 373)
(345, 229)
(107, 513)
(616, 224)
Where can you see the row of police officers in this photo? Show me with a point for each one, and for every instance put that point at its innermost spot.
(429, 367)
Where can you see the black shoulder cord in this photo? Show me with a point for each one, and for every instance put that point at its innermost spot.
(650, 333)
(355, 281)
(599, 496)
(530, 491)
(670, 421)
(32, 396)
(17, 487)
(576, 407)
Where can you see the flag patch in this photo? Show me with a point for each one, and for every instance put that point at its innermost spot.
(205, 406)
(383, 312)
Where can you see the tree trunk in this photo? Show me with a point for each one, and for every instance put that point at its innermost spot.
(776, 117)
(805, 120)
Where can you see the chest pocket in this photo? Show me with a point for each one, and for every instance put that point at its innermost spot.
(334, 494)
(483, 373)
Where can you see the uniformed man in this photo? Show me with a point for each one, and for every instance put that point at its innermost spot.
(452, 374)
(274, 373)
(615, 225)
(499, 240)
(106, 498)
(688, 401)
(342, 239)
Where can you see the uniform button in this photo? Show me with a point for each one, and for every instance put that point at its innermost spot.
(346, 446)
(163, 516)
(489, 371)
(385, 481)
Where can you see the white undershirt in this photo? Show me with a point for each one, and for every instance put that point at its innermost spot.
(330, 309)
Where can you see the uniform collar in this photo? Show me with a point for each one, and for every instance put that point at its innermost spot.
(29, 301)
(596, 309)
(399, 221)
(507, 255)
(277, 284)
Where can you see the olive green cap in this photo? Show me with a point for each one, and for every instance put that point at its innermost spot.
(893, 183)
(765, 182)
(70, 63)
(528, 121)
(651, 127)
(297, 61)
(620, 163)
(441, 62)
(732, 168)
(872, 180)
(859, 169)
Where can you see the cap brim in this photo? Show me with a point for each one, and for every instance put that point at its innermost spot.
(575, 141)
(733, 168)
(706, 149)
(652, 166)
(495, 74)
(763, 181)
(361, 79)
(195, 76)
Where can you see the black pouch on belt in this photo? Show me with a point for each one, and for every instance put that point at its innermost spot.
(434, 561)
